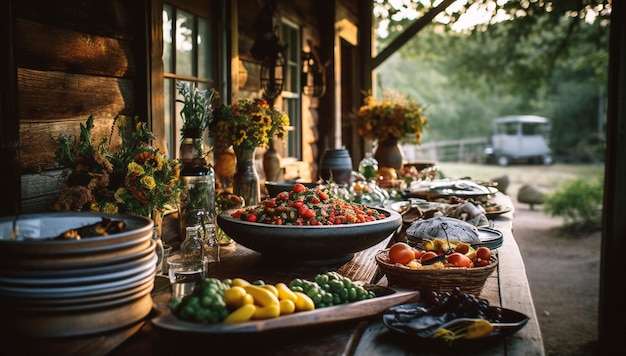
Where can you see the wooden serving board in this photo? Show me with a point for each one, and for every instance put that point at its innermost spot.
(356, 310)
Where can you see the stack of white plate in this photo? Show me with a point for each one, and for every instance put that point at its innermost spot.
(54, 288)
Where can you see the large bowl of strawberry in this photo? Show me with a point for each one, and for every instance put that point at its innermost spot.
(307, 226)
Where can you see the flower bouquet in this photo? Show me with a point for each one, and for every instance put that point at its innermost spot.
(134, 178)
(248, 124)
(394, 117)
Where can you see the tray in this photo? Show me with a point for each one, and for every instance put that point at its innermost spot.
(386, 298)
(396, 318)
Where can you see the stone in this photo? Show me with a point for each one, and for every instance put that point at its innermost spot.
(502, 183)
(530, 194)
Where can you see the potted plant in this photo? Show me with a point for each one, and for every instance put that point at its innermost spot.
(196, 116)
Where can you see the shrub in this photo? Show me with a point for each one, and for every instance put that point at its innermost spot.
(579, 202)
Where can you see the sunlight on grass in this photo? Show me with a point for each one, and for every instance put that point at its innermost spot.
(546, 177)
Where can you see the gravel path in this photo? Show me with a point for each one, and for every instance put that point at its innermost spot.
(563, 273)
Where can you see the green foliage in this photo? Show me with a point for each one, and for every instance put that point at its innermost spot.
(578, 202)
(196, 111)
(552, 64)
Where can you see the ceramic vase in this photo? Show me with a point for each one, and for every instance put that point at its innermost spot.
(389, 154)
(336, 166)
(246, 181)
(271, 164)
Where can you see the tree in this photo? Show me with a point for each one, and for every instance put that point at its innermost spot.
(546, 61)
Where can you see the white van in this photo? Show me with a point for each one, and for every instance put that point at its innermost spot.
(519, 138)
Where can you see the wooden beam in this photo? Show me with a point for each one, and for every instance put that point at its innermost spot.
(405, 36)
(614, 224)
(9, 125)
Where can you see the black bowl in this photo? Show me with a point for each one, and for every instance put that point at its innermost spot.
(306, 245)
(273, 188)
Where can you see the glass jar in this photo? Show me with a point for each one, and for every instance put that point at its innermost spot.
(368, 167)
(191, 146)
(198, 178)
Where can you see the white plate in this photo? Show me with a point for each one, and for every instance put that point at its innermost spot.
(81, 280)
(490, 238)
(147, 274)
(34, 262)
(110, 266)
(111, 300)
(81, 300)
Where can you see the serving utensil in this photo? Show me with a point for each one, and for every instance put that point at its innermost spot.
(459, 328)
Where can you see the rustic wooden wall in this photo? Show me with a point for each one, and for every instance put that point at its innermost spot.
(73, 61)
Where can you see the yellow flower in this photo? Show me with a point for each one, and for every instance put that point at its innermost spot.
(134, 167)
(393, 117)
(248, 124)
(148, 182)
(119, 194)
(110, 208)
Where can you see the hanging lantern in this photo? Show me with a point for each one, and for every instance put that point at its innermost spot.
(272, 74)
(268, 49)
(312, 77)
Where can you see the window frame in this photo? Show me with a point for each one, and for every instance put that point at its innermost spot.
(200, 11)
(291, 33)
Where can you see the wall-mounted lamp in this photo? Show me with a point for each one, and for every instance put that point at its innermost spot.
(313, 76)
(268, 49)
(273, 68)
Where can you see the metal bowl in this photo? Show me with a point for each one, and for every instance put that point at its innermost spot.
(305, 245)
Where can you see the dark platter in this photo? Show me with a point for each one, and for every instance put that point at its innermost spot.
(409, 319)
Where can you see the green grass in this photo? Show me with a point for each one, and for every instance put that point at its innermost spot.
(544, 177)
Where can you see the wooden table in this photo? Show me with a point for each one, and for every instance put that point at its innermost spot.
(507, 287)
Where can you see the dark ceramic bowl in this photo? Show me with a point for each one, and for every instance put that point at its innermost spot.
(273, 188)
(309, 245)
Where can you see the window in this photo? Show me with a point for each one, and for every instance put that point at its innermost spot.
(292, 104)
(189, 40)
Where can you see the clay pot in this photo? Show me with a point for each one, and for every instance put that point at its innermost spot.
(336, 165)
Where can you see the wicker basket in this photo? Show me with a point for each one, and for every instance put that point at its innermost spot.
(469, 280)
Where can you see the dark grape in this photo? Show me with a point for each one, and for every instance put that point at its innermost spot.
(461, 305)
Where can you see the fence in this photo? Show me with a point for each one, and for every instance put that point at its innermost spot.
(464, 150)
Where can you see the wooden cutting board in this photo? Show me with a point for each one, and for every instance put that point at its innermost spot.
(335, 314)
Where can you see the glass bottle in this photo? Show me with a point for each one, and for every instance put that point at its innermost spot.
(158, 249)
(210, 244)
(368, 167)
(191, 249)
